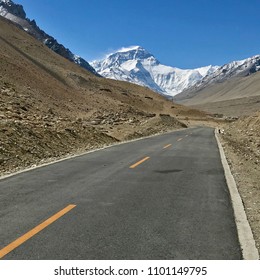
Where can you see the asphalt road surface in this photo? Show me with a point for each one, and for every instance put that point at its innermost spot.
(163, 197)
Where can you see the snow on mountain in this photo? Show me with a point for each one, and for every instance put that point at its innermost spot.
(236, 68)
(137, 65)
(240, 68)
(7, 5)
(16, 14)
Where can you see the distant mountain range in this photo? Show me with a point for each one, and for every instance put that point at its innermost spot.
(17, 15)
(137, 65)
(241, 68)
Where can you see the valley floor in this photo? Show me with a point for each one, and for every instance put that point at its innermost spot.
(233, 107)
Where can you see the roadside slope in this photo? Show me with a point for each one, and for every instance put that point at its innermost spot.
(241, 142)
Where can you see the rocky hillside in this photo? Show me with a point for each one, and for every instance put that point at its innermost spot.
(245, 135)
(50, 107)
(17, 15)
(241, 140)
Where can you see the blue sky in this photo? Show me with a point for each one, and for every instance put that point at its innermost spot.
(180, 33)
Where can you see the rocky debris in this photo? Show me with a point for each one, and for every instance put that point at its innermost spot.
(152, 126)
(241, 142)
(130, 116)
(244, 136)
(105, 89)
(28, 142)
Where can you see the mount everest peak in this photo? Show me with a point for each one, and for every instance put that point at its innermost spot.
(137, 65)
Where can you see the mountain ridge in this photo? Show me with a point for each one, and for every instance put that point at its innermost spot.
(15, 13)
(137, 65)
(228, 71)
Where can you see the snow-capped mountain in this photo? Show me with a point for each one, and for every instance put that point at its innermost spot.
(137, 65)
(15, 13)
(240, 68)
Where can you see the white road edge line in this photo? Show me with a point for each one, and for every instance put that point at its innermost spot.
(86, 152)
(245, 235)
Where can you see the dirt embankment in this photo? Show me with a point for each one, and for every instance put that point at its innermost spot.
(241, 142)
(30, 137)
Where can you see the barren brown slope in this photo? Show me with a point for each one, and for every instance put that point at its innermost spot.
(50, 107)
(241, 141)
(235, 97)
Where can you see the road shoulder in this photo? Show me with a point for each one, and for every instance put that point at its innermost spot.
(245, 235)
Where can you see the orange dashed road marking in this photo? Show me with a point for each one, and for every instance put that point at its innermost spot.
(167, 146)
(6, 250)
(139, 162)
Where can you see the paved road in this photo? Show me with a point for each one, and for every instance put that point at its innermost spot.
(172, 204)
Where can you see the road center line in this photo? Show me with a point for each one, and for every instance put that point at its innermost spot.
(167, 146)
(6, 250)
(179, 139)
(139, 162)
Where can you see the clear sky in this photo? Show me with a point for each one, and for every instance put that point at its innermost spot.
(180, 33)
